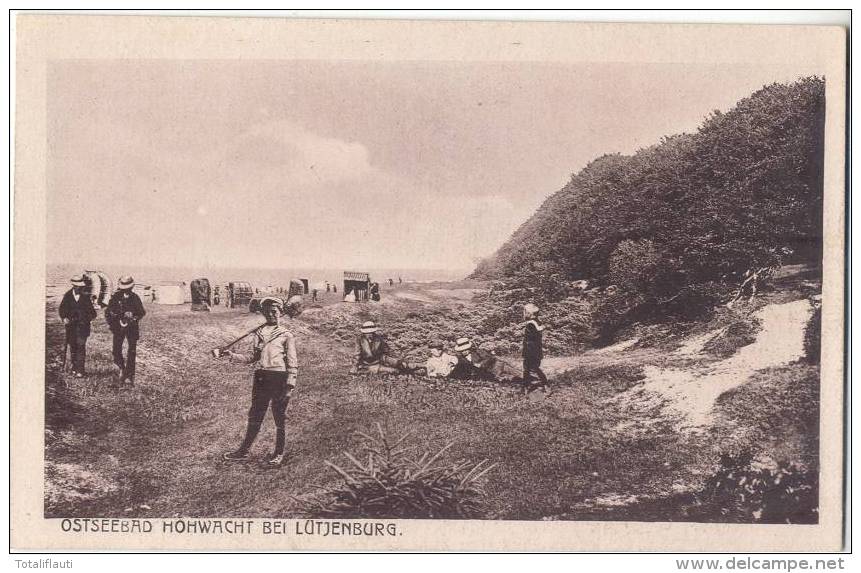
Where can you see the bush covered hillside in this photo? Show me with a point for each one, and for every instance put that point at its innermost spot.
(677, 225)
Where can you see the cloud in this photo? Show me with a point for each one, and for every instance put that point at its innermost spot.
(299, 156)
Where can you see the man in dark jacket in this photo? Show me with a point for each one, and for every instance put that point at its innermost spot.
(77, 311)
(533, 352)
(124, 312)
(477, 364)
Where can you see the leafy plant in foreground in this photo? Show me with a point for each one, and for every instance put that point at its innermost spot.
(787, 493)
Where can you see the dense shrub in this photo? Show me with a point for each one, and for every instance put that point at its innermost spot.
(391, 484)
(679, 223)
(813, 337)
(634, 265)
(787, 493)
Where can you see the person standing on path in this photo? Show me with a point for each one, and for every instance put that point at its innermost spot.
(533, 352)
(123, 314)
(274, 353)
(77, 311)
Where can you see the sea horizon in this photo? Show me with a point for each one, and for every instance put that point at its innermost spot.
(258, 277)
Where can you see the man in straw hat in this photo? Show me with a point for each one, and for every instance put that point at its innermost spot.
(277, 368)
(123, 314)
(533, 353)
(475, 363)
(373, 355)
(77, 311)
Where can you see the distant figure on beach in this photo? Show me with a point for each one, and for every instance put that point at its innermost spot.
(277, 367)
(314, 295)
(375, 292)
(477, 364)
(334, 288)
(400, 280)
(441, 363)
(327, 286)
(374, 356)
(77, 312)
(391, 282)
(216, 296)
(533, 353)
(123, 314)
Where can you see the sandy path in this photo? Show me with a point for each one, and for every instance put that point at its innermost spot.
(616, 354)
(414, 296)
(690, 395)
(458, 293)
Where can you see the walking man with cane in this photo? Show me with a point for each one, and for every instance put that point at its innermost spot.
(124, 312)
(277, 366)
(77, 311)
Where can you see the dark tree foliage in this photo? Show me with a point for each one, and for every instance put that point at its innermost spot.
(695, 209)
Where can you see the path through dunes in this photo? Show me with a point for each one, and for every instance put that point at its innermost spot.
(154, 450)
(687, 382)
(690, 393)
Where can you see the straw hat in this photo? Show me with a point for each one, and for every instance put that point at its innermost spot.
(530, 309)
(77, 280)
(369, 327)
(463, 344)
(126, 283)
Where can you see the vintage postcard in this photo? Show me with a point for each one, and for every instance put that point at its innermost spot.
(292, 284)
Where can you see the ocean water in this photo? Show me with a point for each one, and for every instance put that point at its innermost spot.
(58, 275)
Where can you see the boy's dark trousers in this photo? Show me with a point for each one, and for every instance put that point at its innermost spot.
(127, 365)
(269, 386)
(533, 376)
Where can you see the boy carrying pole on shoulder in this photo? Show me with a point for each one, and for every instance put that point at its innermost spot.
(277, 367)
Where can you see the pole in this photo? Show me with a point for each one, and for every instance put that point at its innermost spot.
(216, 352)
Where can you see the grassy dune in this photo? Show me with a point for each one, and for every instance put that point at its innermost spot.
(583, 453)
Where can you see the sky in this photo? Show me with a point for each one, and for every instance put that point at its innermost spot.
(323, 164)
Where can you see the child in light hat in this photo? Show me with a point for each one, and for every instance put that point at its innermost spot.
(533, 352)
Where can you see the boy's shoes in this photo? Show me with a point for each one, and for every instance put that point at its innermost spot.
(275, 460)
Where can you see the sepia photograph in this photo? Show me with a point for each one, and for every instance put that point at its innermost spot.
(350, 287)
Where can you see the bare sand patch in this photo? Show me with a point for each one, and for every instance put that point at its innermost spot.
(690, 394)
